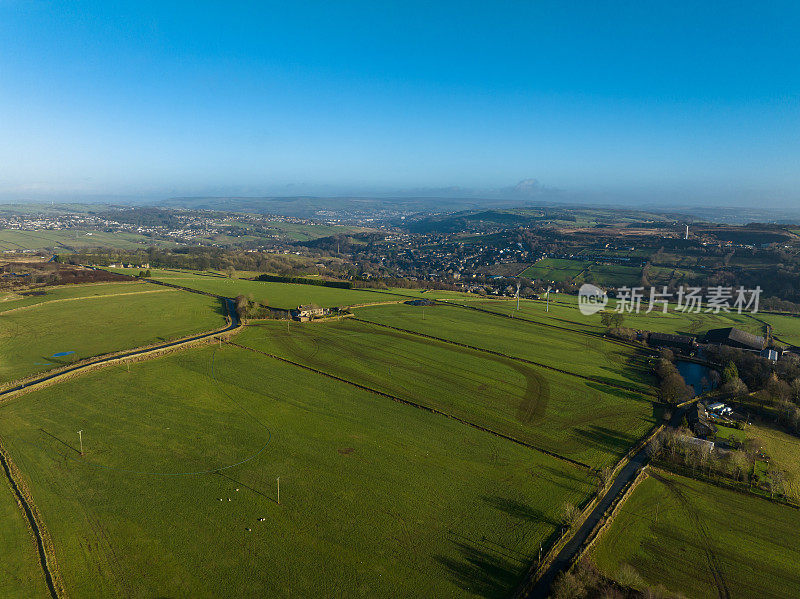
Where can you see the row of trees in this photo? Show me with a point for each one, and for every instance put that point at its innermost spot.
(672, 388)
(679, 447)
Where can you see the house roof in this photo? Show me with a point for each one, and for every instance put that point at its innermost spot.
(668, 338)
(734, 335)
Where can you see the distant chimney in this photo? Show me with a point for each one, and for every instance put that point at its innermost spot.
(686, 234)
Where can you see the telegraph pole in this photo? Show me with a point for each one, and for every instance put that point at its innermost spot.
(80, 439)
(279, 490)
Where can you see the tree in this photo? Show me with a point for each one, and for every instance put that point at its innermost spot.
(569, 514)
(603, 477)
(674, 389)
(612, 320)
(730, 372)
(776, 481)
(230, 271)
(666, 354)
(735, 387)
(148, 274)
(242, 306)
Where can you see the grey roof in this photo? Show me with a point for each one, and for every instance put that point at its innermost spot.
(669, 338)
(734, 335)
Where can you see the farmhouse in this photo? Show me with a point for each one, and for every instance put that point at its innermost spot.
(733, 337)
(680, 342)
(697, 418)
(307, 312)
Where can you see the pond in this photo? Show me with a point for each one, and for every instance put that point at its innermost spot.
(696, 375)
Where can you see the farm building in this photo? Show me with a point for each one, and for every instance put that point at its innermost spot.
(680, 342)
(307, 312)
(421, 302)
(697, 418)
(769, 354)
(733, 337)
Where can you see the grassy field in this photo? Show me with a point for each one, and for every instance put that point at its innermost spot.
(557, 412)
(554, 269)
(377, 499)
(783, 450)
(571, 351)
(564, 312)
(703, 540)
(611, 275)
(20, 574)
(80, 321)
(73, 239)
(786, 328)
(277, 295)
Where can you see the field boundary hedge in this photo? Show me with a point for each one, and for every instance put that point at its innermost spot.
(418, 405)
(303, 281)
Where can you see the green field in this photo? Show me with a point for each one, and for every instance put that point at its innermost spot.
(20, 573)
(783, 450)
(277, 295)
(564, 312)
(89, 320)
(73, 239)
(554, 269)
(377, 498)
(566, 415)
(611, 275)
(701, 540)
(577, 353)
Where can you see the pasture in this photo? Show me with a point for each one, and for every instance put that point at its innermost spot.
(783, 450)
(704, 541)
(555, 269)
(578, 419)
(73, 239)
(20, 574)
(568, 350)
(67, 324)
(564, 312)
(377, 498)
(276, 295)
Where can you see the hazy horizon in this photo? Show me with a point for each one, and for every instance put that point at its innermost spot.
(601, 103)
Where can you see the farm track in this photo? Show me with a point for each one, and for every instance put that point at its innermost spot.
(518, 359)
(416, 405)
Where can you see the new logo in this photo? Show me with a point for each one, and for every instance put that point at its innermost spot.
(591, 299)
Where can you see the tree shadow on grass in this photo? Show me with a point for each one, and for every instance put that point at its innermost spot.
(221, 307)
(519, 510)
(607, 439)
(481, 571)
(617, 392)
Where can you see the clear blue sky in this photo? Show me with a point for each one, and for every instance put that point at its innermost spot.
(694, 100)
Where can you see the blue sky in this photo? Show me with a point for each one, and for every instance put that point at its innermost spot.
(631, 100)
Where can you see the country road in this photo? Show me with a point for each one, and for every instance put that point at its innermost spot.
(564, 558)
